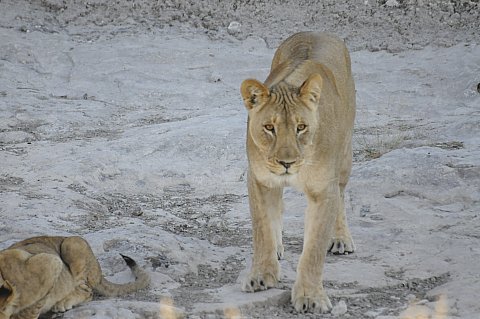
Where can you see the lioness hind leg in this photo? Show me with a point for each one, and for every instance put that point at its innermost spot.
(277, 225)
(342, 241)
(82, 293)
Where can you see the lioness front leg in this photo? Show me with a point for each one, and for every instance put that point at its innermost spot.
(308, 294)
(266, 210)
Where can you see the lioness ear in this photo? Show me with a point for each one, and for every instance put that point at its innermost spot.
(253, 93)
(312, 88)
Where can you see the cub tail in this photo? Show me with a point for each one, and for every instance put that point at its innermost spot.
(110, 289)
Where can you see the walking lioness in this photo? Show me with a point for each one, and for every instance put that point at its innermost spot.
(54, 273)
(299, 133)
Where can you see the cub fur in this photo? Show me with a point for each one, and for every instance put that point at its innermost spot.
(299, 133)
(46, 273)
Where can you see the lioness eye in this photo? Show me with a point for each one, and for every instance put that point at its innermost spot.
(301, 127)
(269, 127)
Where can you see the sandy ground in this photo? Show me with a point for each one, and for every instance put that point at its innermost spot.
(123, 123)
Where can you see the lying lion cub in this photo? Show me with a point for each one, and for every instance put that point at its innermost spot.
(299, 133)
(54, 273)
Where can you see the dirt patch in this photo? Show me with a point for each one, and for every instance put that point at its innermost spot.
(363, 303)
(208, 277)
(373, 142)
(372, 24)
(202, 218)
(9, 183)
(452, 145)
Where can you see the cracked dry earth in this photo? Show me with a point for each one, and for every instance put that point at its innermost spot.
(124, 124)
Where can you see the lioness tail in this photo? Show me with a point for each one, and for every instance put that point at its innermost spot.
(110, 289)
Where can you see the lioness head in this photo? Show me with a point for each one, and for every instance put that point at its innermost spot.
(282, 121)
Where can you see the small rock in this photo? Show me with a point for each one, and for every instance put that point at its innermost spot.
(371, 314)
(137, 212)
(364, 210)
(340, 308)
(422, 302)
(392, 3)
(217, 222)
(215, 77)
(234, 28)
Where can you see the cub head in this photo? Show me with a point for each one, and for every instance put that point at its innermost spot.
(18, 283)
(8, 295)
(282, 121)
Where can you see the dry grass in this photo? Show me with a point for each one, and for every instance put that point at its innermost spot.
(375, 142)
(168, 311)
(422, 312)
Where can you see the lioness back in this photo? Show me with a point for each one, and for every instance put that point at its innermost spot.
(292, 60)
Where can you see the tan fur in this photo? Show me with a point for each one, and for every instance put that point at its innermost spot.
(299, 133)
(45, 273)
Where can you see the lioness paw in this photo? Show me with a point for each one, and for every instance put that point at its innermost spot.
(341, 245)
(316, 302)
(259, 281)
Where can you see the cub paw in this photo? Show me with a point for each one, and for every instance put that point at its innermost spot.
(341, 245)
(60, 307)
(257, 281)
(316, 302)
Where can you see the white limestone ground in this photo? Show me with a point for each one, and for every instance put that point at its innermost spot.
(131, 134)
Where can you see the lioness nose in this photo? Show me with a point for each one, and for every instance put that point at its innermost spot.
(286, 164)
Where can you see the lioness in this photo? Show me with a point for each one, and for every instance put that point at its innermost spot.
(299, 133)
(54, 273)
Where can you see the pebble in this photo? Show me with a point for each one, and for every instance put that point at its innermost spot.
(215, 77)
(392, 3)
(340, 308)
(372, 314)
(364, 210)
(422, 302)
(234, 28)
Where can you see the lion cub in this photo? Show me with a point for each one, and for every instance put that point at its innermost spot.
(45, 273)
(299, 133)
